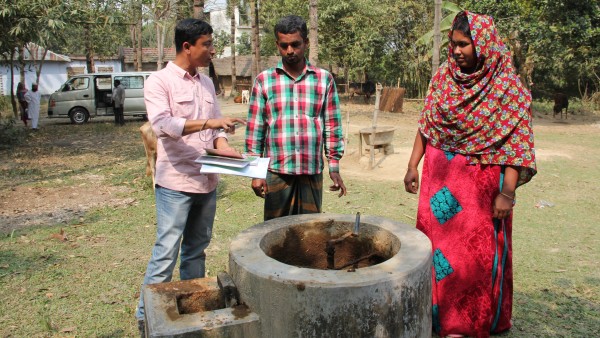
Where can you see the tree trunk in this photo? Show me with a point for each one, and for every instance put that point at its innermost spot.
(255, 39)
(13, 100)
(38, 70)
(138, 30)
(33, 51)
(160, 42)
(89, 51)
(313, 38)
(22, 63)
(212, 73)
(435, 59)
(199, 9)
(132, 32)
(232, 44)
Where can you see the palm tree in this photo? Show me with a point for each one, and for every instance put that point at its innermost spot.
(231, 5)
(255, 39)
(313, 53)
(435, 58)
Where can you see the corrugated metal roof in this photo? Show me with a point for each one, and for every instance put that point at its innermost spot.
(36, 52)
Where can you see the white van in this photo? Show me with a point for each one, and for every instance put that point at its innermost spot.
(88, 95)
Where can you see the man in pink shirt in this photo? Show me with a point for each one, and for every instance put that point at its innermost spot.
(183, 110)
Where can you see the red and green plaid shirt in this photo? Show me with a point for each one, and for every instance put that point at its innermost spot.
(293, 121)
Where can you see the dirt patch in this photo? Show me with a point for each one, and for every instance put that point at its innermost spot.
(22, 206)
(319, 247)
(200, 301)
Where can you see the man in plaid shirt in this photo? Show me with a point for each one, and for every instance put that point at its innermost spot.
(294, 115)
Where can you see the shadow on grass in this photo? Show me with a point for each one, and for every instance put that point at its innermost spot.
(565, 315)
(113, 334)
(26, 263)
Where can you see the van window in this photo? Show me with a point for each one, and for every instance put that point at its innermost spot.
(77, 83)
(131, 82)
(103, 83)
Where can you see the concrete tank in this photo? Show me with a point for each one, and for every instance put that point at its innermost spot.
(278, 267)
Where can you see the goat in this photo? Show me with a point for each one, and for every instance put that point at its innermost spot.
(561, 101)
(245, 96)
(149, 139)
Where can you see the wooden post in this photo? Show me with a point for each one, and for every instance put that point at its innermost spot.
(378, 90)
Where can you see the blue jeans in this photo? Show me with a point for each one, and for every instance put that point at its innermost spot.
(182, 219)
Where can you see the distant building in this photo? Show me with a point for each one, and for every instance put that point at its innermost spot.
(149, 58)
(221, 22)
(243, 70)
(56, 69)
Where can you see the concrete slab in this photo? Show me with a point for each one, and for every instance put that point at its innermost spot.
(165, 316)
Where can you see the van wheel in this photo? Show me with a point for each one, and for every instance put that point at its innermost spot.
(79, 116)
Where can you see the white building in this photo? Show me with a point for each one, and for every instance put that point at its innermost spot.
(56, 69)
(221, 22)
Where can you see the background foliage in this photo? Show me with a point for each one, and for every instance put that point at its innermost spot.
(370, 39)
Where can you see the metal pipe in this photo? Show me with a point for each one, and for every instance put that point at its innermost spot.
(356, 224)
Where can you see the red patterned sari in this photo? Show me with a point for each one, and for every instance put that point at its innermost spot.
(475, 125)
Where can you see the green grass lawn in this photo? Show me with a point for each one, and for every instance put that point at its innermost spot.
(88, 285)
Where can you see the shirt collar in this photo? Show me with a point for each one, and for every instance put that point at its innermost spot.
(308, 68)
(180, 72)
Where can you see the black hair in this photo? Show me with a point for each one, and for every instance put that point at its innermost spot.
(117, 82)
(189, 30)
(461, 24)
(291, 24)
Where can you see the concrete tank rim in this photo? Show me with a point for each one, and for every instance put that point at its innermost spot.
(414, 253)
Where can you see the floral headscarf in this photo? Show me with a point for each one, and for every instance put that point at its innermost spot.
(484, 115)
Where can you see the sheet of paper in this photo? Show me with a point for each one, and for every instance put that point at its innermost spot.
(222, 161)
(255, 171)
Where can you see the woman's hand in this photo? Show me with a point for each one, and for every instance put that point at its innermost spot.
(503, 205)
(411, 180)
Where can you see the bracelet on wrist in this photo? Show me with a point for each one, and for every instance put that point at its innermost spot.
(204, 125)
(512, 198)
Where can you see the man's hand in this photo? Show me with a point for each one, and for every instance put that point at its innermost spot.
(338, 184)
(227, 124)
(260, 187)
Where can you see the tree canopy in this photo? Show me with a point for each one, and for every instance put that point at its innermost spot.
(554, 42)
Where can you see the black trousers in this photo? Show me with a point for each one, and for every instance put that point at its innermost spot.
(119, 118)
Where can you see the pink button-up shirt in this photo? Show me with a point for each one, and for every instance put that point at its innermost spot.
(173, 96)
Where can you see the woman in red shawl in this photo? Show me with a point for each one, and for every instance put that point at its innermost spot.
(475, 132)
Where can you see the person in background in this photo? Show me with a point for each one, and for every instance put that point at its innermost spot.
(21, 91)
(294, 115)
(33, 99)
(118, 99)
(476, 134)
(185, 116)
